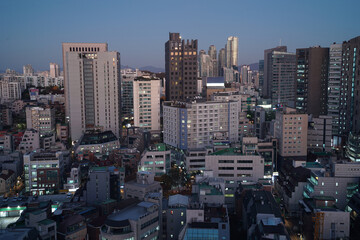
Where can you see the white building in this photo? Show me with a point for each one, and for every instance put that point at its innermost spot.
(156, 160)
(10, 91)
(28, 70)
(30, 141)
(232, 164)
(92, 87)
(147, 102)
(54, 70)
(199, 124)
(291, 129)
(40, 119)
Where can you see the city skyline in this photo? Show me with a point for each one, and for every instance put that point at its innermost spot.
(259, 26)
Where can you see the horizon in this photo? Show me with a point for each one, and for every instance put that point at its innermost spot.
(141, 41)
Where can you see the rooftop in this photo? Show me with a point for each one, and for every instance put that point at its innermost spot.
(228, 152)
(97, 138)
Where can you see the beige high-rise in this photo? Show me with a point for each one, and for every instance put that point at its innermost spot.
(92, 87)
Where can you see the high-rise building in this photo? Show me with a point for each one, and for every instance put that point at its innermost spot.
(283, 78)
(232, 52)
(205, 65)
(349, 119)
(200, 124)
(291, 129)
(28, 70)
(222, 61)
(266, 86)
(147, 103)
(312, 80)
(92, 88)
(333, 104)
(261, 76)
(213, 56)
(54, 70)
(245, 75)
(181, 68)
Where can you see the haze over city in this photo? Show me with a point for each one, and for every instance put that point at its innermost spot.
(32, 31)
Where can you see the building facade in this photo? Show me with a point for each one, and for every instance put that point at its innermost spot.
(181, 68)
(92, 87)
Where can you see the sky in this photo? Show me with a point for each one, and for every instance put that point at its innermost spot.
(31, 32)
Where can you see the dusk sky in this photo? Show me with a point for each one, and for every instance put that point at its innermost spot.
(32, 31)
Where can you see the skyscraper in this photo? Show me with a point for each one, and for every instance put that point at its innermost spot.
(222, 61)
(261, 76)
(147, 102)
(205, 65)
(181, 67)
(283, 78)
(213, 56)
(232, 52)
(54, 70)
(333, 103)
(311, 80)
(92, 87)
(349, 119)
(266, 87)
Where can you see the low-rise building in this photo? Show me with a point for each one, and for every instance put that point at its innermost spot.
(7, 180)
(144, 184)
(156, 159)
(44, 171)
(323, 220)
(134, 222)
(40, 119)
(72, 227)
(97, 142)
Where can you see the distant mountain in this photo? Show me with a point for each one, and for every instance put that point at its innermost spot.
(152, 69)
(254, 66)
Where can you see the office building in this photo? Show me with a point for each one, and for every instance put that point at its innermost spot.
(156, 160)
(233, 164)
(54, 70)
(349, 120)
(205, 65)
(200, 124)
(268, 66)
(6, 118)
(291, 128)
(312, 80)
(143, 185)
(232, 52)
(41, 119)
(334, 84)
(104, 183)
(30, 141)
(44, 171)
(127, 96)
(319, 134)
(147, 103)
(92, 99)
(181, 68)
(323, 220)
(261, 77)
(353, 147)
(282, 83)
